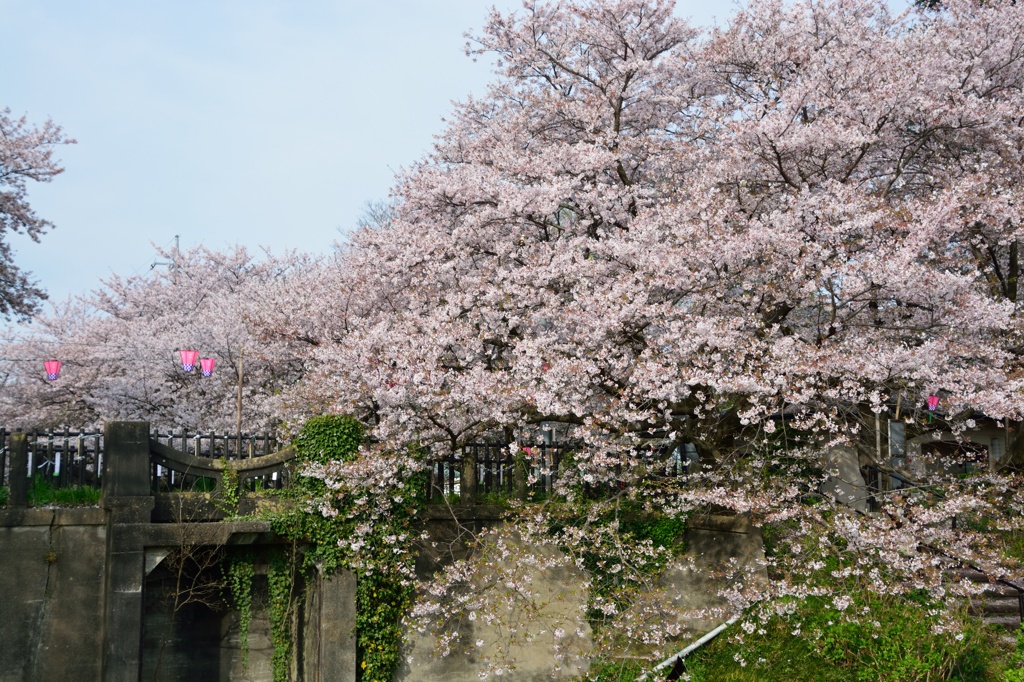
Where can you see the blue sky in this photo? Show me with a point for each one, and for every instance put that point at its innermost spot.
(229, 122)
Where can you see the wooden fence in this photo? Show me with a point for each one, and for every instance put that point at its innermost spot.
(539, 466)
(495, 467)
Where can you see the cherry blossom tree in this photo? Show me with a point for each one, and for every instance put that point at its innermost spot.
(754, 240)
(119, 346)
(639, 230)
(26, 153)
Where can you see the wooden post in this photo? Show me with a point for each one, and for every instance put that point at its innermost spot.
(18, 490)
(238, 411)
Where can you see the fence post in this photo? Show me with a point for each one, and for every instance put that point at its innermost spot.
(18, 490)
(3, 456)
(519, 468)
(467, 481)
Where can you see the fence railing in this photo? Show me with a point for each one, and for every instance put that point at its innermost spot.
(213, 446)
(496, 470)
(532, 471)
(62, 458)
(66, 458)
(75, 458)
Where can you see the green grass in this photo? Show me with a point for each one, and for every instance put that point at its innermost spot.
(876, 639)
(1015, 661)
(43, 493)
(614, 671)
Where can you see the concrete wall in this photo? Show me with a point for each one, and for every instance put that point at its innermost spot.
(556, 599)
(53, 566)
(723, 552)
(51, 582)
(55, 620)
(198, 638)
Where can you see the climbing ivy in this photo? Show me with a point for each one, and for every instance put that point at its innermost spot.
(380, 558)
(227, 497)
(239, 569)
(280, 588)
(329, 437)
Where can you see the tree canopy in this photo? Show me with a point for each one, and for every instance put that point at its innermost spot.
(753, 239)
(641, 228)
(120, 344)
(26, 153)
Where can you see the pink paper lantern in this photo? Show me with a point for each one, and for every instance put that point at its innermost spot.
(188, 359)
(933, 402)
(52, 369)
(206, 364)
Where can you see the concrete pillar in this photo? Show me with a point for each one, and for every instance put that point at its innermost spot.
(129, 504)
(126, 467)
(520, 473)
(337, 628)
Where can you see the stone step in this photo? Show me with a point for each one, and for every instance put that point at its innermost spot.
(966, 573)
(993, 587)
(997, 591)
(995, 606)
(1007, 622)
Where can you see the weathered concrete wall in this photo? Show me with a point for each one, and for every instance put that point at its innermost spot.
(202, 640)
(76, 604)
(53, 566)
(685, 600)
(52, 573)
(846, 484)
(326, 636)
(197, 637)
(555, 600)
(723, 552)
(51, 579)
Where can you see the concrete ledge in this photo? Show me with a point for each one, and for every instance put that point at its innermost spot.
(195, 507)
(139, 535)
(722, 524)
(53, 516)
(459, 512)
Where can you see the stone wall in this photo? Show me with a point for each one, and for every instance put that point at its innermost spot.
(55, 620)
(51, 581)
(723, 552)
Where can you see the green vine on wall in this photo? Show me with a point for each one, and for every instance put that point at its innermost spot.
(229, 494)
(239, 577)
(382, 559)
(281, 589)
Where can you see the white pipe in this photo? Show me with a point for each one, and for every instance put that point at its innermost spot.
(691, 648)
